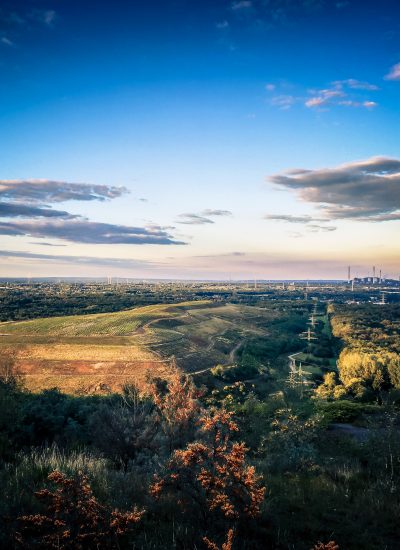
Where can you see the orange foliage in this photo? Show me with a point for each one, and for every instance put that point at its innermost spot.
(216, 470)
(331, 545)
(179, 403)
(227, 545)
(74, 519)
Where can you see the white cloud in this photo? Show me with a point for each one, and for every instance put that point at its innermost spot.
(394, 73)
(7, 41)
(241, 5)
(356, 84)
(284, 102)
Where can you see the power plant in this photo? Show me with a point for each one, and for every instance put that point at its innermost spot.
(371, 280)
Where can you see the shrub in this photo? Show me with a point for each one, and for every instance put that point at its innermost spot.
(344, 411)
(73, 518)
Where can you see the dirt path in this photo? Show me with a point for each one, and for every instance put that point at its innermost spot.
(235, 349)
(144, 328)
(229, 361)
(212, 338)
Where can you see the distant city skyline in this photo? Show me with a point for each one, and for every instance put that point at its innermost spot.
(200, 140)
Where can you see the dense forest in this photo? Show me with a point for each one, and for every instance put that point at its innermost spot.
(369, 363)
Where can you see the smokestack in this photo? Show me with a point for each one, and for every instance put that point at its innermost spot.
(380, 276)
(348, 274)
(373, 275)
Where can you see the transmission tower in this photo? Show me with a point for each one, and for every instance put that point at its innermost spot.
(308, 335)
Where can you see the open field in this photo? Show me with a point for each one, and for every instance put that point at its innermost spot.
(101, 352)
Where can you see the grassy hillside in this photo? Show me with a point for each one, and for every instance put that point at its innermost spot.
(96, 353)
(121, 323)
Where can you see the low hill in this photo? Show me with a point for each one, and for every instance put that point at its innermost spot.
(101, 352)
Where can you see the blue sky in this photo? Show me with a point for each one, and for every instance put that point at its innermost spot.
(193, 108)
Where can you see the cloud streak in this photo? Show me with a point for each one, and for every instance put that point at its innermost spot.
(241, 5)
(16, 210)
(46, 17)
(367, 190)
(210, 212)
(311, 224)
(193, 219)
(74, 260)
(83, 231)
(50, 191)
(343, 93)
(203, 217)
(292, 219)
(355, 84)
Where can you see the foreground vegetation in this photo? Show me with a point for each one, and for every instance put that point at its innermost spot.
(253, 451)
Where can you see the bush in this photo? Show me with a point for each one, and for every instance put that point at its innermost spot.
(344, 411)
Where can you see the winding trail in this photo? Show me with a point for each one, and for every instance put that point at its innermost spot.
(229, 361)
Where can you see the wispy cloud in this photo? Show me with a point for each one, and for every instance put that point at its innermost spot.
(47, 17)
(295, 234)
(284, 101)
(341, 92)
(193, 219)
(7, 41)
(18, 20)
(241, 5)
(292, 219)
(17, 210)
(394, 73)
(345, 93)
(271, 12)
(203, 217)
(365, 104)
(356, 84)
(44, 243)
(311, 224)
(227, 255)
(87, 232)
(51, 191)
(367, 190)
(210, 212)
(315, 228)
(75, 260)
(323, 97)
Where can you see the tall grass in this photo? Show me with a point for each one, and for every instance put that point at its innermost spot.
(20, 479)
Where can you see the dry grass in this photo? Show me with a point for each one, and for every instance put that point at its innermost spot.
(85, 352)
